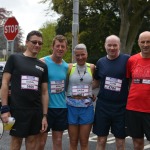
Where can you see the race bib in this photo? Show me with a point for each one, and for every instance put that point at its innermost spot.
(80, 90)
(29, 82)
(142, 81)
(113, 84)
(146, 81)
(57, 86)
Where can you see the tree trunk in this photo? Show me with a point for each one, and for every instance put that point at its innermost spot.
(131, 14)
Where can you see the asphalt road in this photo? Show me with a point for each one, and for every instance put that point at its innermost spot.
(5, 142)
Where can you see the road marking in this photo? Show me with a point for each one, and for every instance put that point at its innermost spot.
(110, 140)
(147, 146)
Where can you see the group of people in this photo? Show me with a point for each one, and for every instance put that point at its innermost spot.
(50, 94)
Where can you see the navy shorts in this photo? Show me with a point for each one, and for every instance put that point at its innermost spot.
(57, 119)
(27, 122)
(80, 115)
(105, 119)
(138, 124)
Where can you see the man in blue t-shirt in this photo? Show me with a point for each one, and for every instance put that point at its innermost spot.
(112, 96)
(57, 108)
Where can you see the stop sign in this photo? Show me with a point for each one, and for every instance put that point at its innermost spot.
(11, 28)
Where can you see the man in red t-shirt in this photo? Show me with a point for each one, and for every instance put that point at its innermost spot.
(138, 104)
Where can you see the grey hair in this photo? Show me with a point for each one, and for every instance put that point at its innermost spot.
(80, 46)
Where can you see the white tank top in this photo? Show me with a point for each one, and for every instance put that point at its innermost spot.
(80, 82)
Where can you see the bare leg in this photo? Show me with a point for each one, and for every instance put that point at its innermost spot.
(30, 142)
(73, 136)
(138, 143)
(120, 144)
(15, 143)
(57, 140)
(41, 141)
(84, 136)
(101, 143)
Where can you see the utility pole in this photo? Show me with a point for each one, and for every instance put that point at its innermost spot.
(75, 26)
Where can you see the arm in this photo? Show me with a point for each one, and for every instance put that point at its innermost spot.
(45, 106)
(95, 84)
(68, 74)
(4, 95)
(42, 59)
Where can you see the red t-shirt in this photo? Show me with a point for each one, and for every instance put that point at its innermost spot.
(138, 69)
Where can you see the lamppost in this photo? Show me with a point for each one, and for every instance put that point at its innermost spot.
(75, 26)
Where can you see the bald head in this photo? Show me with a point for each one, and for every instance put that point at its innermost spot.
(112, 46)
(143, 34)
(113, 37)
(144, 44)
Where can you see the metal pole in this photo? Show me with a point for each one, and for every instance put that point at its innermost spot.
(12, 47)
(6, 49)
(75, 26)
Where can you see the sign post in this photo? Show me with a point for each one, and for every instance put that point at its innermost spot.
(11, 29)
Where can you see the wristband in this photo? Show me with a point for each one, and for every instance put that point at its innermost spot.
(5, 109)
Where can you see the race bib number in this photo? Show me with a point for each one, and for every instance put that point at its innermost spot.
(29, 82)
(145, 81)
(80, 90)
(57, 86)
(113, 84)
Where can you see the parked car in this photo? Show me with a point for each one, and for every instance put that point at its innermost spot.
(2, 65)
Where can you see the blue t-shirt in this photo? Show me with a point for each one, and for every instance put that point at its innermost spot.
(57, 74)
(113, 81)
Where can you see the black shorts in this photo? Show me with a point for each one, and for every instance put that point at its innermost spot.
(27, 122)
(104, 120)
(57, 119)
(138, 124)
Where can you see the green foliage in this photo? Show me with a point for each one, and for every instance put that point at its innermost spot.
(94, 25)
(99, 19)
(48, 31)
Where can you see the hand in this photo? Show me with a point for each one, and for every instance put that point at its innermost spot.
(5, 116)
(44, 124)
(94, 98)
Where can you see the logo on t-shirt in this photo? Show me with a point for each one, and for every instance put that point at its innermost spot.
(40, 68)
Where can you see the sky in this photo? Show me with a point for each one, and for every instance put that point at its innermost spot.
(29, 13)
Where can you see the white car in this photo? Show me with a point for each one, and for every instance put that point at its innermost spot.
(2, 65)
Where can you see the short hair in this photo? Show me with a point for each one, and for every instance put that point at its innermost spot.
(112, 36)
(80, 46)
(34, 32)
(59, 38)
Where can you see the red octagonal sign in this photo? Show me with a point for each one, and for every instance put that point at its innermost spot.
(11, 28)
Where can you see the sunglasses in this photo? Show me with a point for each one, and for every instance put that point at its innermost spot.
(35, 42)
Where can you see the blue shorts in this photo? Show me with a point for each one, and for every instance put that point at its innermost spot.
(57, 119)
(80, 115)
(106, 119)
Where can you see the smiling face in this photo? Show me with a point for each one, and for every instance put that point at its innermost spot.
(144, 44)
(112, 46)
(81, 56)
(34, 45)
(59, 49)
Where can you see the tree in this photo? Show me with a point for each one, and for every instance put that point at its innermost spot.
(132, 14)
(100, 18)
(48, 32)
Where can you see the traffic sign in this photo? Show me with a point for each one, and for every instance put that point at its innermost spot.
(11, 28)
